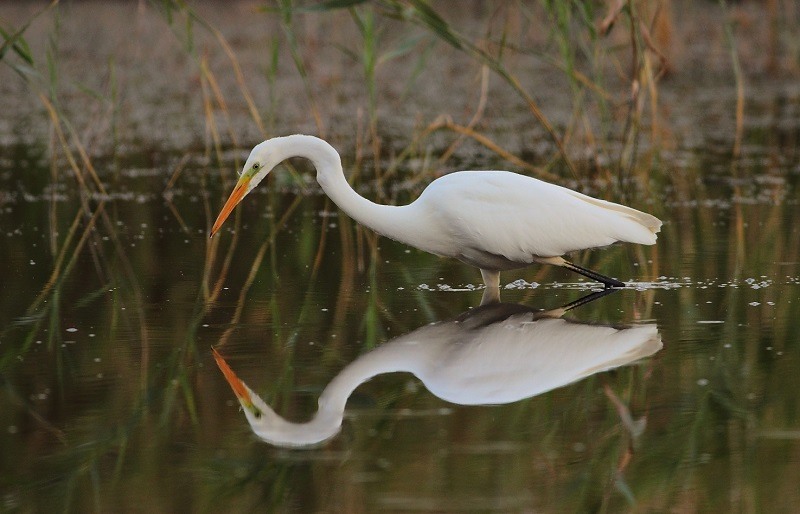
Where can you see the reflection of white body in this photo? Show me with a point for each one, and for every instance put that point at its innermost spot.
(498, 353)
(494, 220)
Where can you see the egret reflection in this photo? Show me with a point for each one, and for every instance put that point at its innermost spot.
(494, 354)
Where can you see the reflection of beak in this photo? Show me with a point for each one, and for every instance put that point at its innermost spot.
(236, 196)
(242, 393)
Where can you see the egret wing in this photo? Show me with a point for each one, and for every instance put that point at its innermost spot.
(522, 357)
(519, 218)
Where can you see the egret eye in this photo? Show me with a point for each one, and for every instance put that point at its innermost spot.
(256, 166)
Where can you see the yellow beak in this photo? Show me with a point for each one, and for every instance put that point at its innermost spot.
(236, 196)
(241, 391)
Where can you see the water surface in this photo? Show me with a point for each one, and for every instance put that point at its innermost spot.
(109, 385)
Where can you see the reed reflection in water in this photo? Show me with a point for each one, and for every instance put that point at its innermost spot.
(494, 354)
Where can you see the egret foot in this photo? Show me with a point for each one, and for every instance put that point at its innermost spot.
(588, 299)
(492, 292)
(557, 313)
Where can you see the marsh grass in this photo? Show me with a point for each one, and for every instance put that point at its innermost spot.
(614, 65)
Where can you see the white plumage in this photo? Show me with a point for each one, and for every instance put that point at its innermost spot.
(494, 220)
(519, 218)
(494, 354)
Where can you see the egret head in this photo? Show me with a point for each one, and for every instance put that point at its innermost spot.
(255, 409)
(260, 162)
(272, 428)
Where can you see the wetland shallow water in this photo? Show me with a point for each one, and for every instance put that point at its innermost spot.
(110, 387)
(110, 399)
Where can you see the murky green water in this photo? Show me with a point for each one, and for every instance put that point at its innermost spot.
(111, 398)
(679, 393)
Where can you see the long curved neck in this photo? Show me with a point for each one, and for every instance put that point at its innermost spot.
(327, 420)
(396, 222)
(394, 356)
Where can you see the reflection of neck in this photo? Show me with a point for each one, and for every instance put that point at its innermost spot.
(274, 429)
(328, 418)
(389, 358)
(497, 354)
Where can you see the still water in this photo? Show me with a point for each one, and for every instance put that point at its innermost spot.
(677, 393)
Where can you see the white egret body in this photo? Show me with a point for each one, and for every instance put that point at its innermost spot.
(494, 354)
(494, 220)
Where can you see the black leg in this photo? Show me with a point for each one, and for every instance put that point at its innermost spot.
(607, 281)
(588, 298)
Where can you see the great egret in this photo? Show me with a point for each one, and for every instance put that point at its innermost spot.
(494, 354)
(494, 220)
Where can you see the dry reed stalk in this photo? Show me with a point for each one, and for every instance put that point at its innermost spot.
(773, 36)
(739, 77)
(484, 93)
(178, 216)
(375, 143)
(650, 45)
(251, 276)
(212, 245)
(360, 264)
(210, 122)
(221, 103)
(53, 210)
(58, 268)
(576, 116)
(56, 125)
(179, 167)
(41, 420)
(322, 239)
(237, 70)
(347, 274)
(446, 123)
(653, 95)
(220, 282)
(359, 150)
(539, 115)
(57, 120)
(285, 8)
